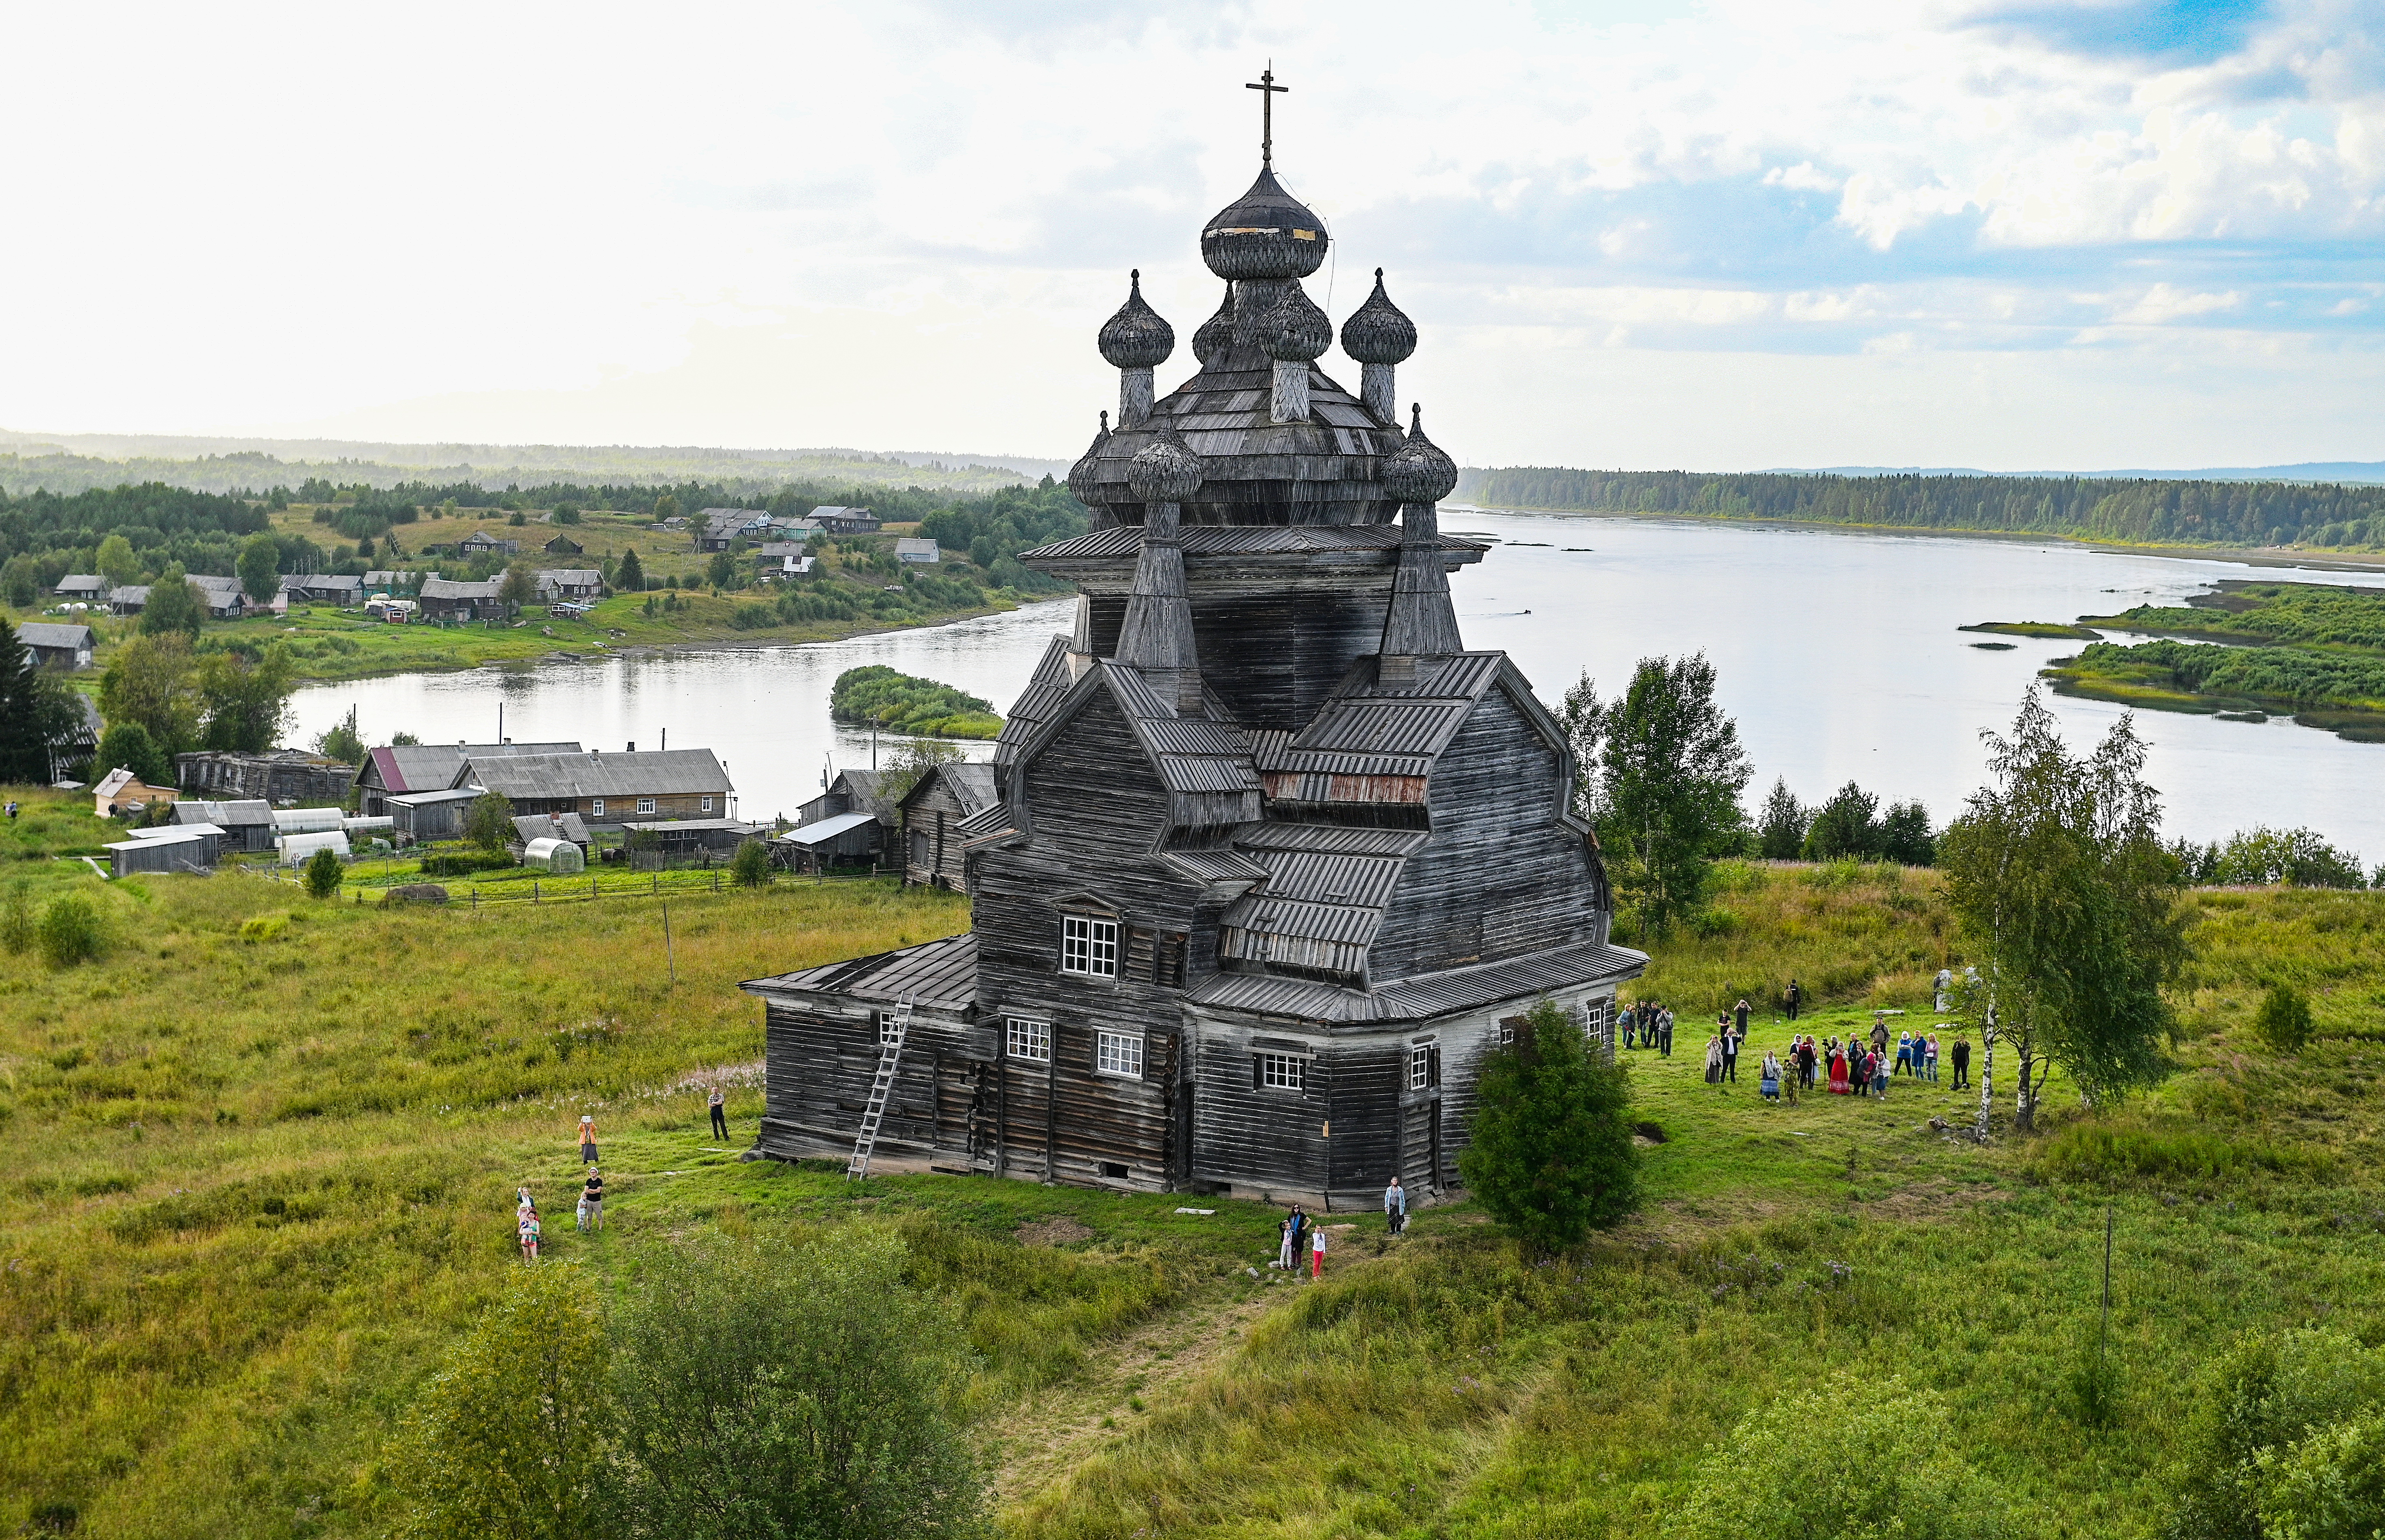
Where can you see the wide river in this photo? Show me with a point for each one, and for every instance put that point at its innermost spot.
(1837, 651)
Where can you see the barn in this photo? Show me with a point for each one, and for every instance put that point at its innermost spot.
(1272, 858)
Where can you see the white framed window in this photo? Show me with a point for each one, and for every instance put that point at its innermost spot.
(596, 806)
(1088, 946)
(1420, 1067)
(885, 1028)
(1119, 1053)
(1282, 1073)
(705, 806)
(1030, 1039)
(646, 804)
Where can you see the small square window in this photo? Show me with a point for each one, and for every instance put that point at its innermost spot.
(1088, 946)
(596, 806)
(646, 804)
(705, 806)
(1121, 1053)
(885, 1027)
(1420, 1067)
(1031, 1039)
(1282, 1073)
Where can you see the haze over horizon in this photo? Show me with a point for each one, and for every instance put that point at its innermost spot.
(1722, 236)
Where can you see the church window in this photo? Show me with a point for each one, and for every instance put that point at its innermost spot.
(1121, 1053)
(1088, 946)
(1280, 1072)
(1424, 1066)
(885, 1027)
(1031, 1039)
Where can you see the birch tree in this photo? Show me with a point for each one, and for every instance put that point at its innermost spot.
(2062, 890)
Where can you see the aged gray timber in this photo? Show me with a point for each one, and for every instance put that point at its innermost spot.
(1266, 860)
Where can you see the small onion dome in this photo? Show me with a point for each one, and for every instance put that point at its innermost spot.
(1083, 477)
(1166, 471)
(1136, 337)
(1418, 471)
(1264, 233)
(1295, 331)
(1216, 334)
(1376, 332)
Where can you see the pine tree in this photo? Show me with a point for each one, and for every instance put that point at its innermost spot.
(630, 577)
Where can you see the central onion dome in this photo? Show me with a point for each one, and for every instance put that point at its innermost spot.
(1266, 233)
(1419, 472)
(1377, 332)
(1216, 334)
(1136, 337)
(1164, 470)
(1295, 331)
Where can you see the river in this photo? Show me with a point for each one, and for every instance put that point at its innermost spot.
(1837, 651)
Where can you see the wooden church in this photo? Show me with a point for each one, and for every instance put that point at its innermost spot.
(1272, 858)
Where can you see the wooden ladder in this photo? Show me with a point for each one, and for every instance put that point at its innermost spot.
(890, 1059)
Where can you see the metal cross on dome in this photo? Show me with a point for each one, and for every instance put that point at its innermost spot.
(1269, 91)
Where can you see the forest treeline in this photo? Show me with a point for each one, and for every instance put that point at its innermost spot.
(2237, 513)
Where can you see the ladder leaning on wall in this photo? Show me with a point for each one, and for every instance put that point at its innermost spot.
(890, 1057)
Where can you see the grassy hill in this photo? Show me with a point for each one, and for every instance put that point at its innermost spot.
(263, 1154)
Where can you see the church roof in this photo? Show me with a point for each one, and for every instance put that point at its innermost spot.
(1424, 994)
(935, 974)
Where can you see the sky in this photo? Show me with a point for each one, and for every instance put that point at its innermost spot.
(2005, 233)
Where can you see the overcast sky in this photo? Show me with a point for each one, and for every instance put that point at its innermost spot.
(1720, 235)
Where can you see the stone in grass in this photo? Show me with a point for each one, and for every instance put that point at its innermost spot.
(416, 893)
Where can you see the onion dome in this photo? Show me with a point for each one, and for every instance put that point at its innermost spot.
(1419, 472)
(1216, 334)
(1165, 471)
(1295, 331)
(1266, 234)
(1136, 337)
(1084, 477)
(1376, 332)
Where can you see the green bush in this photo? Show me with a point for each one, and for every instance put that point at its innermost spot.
(752, 866)
(324, 873)
(2284, 1019)
(70, 931)
(17, 927)
(463, 863)
(1551, 1157)
(2283, 1439)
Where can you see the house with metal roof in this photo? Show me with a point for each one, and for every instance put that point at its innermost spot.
(247, 825)
(223, 596)
(454, 599)
(59, 646)
(844, 521)
(718, 529)
(88, 586)
(569, 584)
(918, 553)
(1271, 859)
(324, 588)
(481, 542)
(130, 599)
(608, 790)
(402, 769)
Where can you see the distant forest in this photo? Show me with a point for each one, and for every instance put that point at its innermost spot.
(2232, 513)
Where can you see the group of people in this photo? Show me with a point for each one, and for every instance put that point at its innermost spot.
(1298, 1232)
(1647, 1024)
(1857, 1067)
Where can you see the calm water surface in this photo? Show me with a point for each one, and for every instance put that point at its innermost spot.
(1837, 653)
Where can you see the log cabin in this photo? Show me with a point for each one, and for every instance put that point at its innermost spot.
(933, 810)
(1272, 857)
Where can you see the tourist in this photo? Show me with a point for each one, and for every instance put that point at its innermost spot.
(1665, 1027)
(719, 1114)
(1879, 1032)
(1880, 1075)
(1283, 1252)
(587, 1139)
(1838, 1069)
(525, 1226)
(1315, 1252)
(1299, 1232)
(1395, 1206)
(1930, 1057)
(1769, 1080)
(1714, 1060)
(12, 809)
(1624, 1022)
(1730, 1041)
(1739, 1018)
(1962, 1062)
(1795, 997)
(1904, 1053)
(592, 1202)
(1805, 1062)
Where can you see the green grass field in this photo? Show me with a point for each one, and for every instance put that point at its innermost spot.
(263, 1154)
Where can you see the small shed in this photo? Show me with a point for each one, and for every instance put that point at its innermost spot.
(551, 826)
(920, 553)
(298, 849)
(564, 546)
(425, 816)
(850, 838)
(557, 855)
(120, 789)
(682, 837)
(167, 849)
(248, 825)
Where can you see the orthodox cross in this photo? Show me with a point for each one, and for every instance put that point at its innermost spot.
(1269, 91)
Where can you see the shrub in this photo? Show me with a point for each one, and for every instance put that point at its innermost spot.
(265, 927)
(1552, 1156)
(752, 866)
(17, 928)
(2284, 1019)
(70, 931)
(463, 863)
(324, 873)
(2282, 1429)
(489, 821)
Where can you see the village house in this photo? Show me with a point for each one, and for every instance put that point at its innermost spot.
(121, 791)
(131, 599)
(59, 646)
(90, 587)
(610, 789)
(454, 599)
(402, 769)
(224, 599)
(284, 777)
(844, 521)
(247, 826)
(390, 581)
(481, 543)
(1275, 858)
(718, 529)
(918, 553)
(564, 546)
(781, 558)
(323, 588)
(576, 584)
(934, 854)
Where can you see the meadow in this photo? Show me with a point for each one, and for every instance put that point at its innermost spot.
(264, 1152)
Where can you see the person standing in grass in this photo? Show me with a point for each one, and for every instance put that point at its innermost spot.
(1299, 1222)
(1714, 1060)
(1315, 1253)
(1904, 1053)
(1739, 1018)
(1880, 1075)
(587, 1139)
(1962, 1062)
(1768, 1078)
(1733, 1034)
(592, 1201)
(1623, 1024)
(526, 1227)
(719, 1114)
(1931, 1057)
(1795, 997)
(1395, 1206)
(1805, 1060)
(1665, 1025)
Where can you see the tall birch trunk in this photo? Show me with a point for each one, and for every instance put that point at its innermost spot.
(1986, 1072)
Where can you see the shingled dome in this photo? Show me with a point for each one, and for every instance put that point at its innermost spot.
(1216, 334)
(1083, 476)
(1377, 332)
(1165, 471)
(1136, 337)
(1266, 234)
(1420, 471)
(1295, 331)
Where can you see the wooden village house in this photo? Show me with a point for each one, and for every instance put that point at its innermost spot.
(455, 599)
(66, 647)
(934, 852)
(1273, 859)
(405, 770)
(284, 777)
(609, 789)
